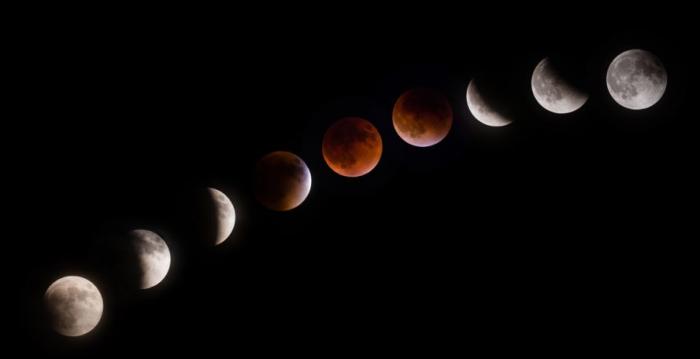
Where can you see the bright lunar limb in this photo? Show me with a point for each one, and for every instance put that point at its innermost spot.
(553, 92)
(153, 257)
(482, 110)
(74, 305)
(422, 117)
(225, 213)
(283, 181)
(636, 79)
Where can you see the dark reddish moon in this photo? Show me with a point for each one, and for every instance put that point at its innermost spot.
(282, 181)
(352, 147)
(422, 117)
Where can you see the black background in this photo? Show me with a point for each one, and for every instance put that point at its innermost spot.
(565, 230)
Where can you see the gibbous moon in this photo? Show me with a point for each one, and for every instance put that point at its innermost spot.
(422, 117)
(352, 147)
(282, 181)
(636, 79)
(553, 92)
(225, 213)
(153, 257)
(74, 305)
(482, 110)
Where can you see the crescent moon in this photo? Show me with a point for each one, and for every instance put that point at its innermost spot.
(553, 92)
(225, 213)
(482, 110)
(74, 305)
(153, 257)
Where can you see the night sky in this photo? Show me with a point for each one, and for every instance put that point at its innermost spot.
(568, 229)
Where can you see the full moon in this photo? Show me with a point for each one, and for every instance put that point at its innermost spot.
(282, 181)
(153, 257)
(74, 305)
(352, 147)
(482, 110)
(636, 79)
(553, 92)
(225, 214)
(422, 117)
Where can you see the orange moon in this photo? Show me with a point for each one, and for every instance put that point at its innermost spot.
(422, 117)
(282, 181)
(352, 147)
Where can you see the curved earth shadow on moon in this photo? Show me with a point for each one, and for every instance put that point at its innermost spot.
(283, 181)
(489, 99)
(557, 87)
(422, 116)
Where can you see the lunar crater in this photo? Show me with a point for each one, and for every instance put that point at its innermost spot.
(636, 79)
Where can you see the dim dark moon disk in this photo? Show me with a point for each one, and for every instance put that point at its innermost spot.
(553, 92)
(282, 181)
(74, 305)
(352, 147)
(422, 117)
(636, 79)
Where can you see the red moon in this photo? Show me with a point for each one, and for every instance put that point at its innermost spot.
(422, 117)
(282, 181)
(352, 147)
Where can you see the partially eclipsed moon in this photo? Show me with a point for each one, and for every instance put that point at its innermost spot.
(225, 213)
(74, 305)
(282, 181)
(482, 110)
(553, 92)
(352, 147)
(636, 79)
(422, 117)
(153, 257)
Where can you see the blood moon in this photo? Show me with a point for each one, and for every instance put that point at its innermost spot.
(422, 117)
(352, 147)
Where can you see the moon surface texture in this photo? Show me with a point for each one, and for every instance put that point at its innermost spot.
(422, 117)
(153, 257)
(352, 147)
(225, 214)
(636, 79)
(482, 109)
(74, 305)
(283, 181)
(553, 92)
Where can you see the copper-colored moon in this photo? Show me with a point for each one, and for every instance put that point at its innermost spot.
(282, 181)
(352, 147)
(74, 305)
(422, 117)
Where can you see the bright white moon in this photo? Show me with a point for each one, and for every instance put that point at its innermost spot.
(153, 257)
(226, 215)
(636, 79)
(74, 305)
